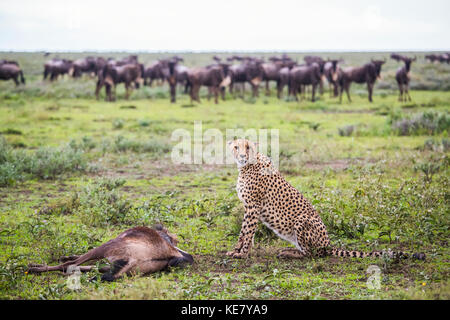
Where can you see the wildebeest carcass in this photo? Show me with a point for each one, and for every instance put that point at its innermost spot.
(250, 70)
(11, 70)
(212, 77)
(57, 67)
(368, 74)
(304, 75)
(330, 70)
(114, 73)
(402, 76)
(139, 250)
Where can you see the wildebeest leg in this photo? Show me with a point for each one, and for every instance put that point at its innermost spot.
(400, 89)
(119, 267)
(108, 92)
(347, 90)
(68, 258)
(222, 92)
(313, 92)
(370, 89)
(216, 94)
(16, 80)
(173, 93)
(98, 87)
(407, 91)
(267, 88)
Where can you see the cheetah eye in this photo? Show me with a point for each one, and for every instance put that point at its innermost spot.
(248, 147)
(235, 147)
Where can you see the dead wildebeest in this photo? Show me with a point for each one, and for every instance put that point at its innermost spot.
(368, 74)
(330, 70)
(402, 76)
(212, 77)
(139, 250)
(251, 71)
(301, 76)
(12, 71)
(111, 75)
(57, 67)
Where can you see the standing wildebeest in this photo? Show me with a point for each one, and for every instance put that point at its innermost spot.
(113, 74)
(88, 65)
(57, 67)
(330, 70)
(402, 77)
(11, 70)
(272, 71)
(368, 74)
(154, 72)
(139, 250)
(212, 77)
(176, 74)
(304, 75)
(250, 71)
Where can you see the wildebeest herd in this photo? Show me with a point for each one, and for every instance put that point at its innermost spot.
(226, 73)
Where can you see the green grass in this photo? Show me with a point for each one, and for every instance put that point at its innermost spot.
(374, 189)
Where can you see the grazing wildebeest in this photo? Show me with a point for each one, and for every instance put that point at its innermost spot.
(57, 67)
(432, 57)
(250, 70)
(368, 74)
(11, 70)
(397, 57)
(402, 77)
(113, 74)
(85, 65)
(212, 77)
(330, 70)
(139, 250)
(304, 75)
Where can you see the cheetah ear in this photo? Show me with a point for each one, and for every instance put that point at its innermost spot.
(230, 143)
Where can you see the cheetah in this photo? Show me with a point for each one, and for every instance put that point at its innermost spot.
(268, 197)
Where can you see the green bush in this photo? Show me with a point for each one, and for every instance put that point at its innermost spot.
(428, 123)
(44, 163)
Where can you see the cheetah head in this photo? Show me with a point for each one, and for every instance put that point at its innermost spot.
(243, 151)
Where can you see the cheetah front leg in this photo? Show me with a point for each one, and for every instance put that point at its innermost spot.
(248, 229)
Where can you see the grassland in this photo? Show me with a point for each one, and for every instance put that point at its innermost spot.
(75, 172)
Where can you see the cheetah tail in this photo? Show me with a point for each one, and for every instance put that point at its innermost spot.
(360, 254)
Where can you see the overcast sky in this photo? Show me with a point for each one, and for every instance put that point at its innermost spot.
(227, 25)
